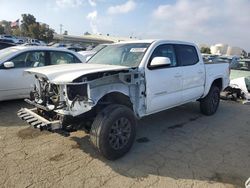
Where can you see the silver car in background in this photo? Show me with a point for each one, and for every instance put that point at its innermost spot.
(89, 53)
(14, 60)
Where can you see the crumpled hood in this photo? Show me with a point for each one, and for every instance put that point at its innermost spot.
(61, 74)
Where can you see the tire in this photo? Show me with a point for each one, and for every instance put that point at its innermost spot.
(113, 131)
(210, 103)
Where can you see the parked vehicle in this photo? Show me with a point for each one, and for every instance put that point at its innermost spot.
(7, 40)
(14, 60)
(76, 48)
(69, 46)
(232, 60)
(34, 41)
(87, 54)
(239, 87)
(4, 44)
(30, 44)
(208, 58)
(120, 83)
(11, 38)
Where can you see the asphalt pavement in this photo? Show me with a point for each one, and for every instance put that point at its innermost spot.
(175, 148)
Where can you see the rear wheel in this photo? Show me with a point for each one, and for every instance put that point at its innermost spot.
(210, 103)
(113, 131)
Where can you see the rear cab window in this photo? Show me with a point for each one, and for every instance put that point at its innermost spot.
(186, 54)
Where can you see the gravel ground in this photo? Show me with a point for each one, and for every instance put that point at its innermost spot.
(175, 148)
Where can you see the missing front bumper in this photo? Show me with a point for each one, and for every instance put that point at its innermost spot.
(31, 117)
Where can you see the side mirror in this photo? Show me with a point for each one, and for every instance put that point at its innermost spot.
(8, 64)
(160, 61)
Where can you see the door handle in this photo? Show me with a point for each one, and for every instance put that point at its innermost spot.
(200, 72)
(177, 76)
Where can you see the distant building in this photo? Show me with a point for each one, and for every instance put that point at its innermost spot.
(88, 39)
(203, 46)
(224, 49)
(219, 49)
(236, 51)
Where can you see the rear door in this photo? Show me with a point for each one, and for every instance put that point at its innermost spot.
(13, 83)
(164, 84)
(193, 72)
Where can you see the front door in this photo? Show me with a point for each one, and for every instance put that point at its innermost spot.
(164, 84)
(13, 83)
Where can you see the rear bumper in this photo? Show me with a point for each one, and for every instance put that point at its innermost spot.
(31, 117)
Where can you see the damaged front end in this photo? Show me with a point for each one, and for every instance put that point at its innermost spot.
(56, 103)
(53, 102)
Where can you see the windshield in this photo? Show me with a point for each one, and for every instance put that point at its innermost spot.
(6, 52)
(241, 65)
(99, 47)
(129, 55)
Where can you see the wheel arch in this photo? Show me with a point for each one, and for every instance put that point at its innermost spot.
(218, 82)
(116, 97)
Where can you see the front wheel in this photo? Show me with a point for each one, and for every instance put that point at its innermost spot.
(113, 131)
(210, 103)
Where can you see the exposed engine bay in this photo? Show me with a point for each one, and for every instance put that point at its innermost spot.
(62, 102)
(47, 94)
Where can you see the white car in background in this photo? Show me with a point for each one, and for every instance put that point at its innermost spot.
(14, 60)
(89, 53)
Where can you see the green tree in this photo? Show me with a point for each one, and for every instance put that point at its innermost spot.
(33, 29)
(46, 34)
(29, 28)
(27, 20)
(205, 50)
(87, 33)
(7, 27)
(17, 32)
(1, 30)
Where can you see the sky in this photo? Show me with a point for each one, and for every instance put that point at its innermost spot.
(200, 21)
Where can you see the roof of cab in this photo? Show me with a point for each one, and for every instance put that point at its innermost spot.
(155, 41)
(39, 48)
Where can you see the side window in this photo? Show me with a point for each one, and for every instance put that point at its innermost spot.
(76, 60)
(19, 61)
(35, 59)
(187, 55)
(29, 59)
(165, 50)
(57, 58)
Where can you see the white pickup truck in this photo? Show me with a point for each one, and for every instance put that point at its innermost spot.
(120, 84)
